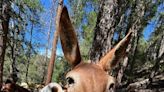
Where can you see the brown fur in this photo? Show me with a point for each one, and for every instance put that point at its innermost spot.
(88, 77)
(12, 87)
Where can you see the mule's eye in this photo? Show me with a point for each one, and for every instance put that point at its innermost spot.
(70, 81)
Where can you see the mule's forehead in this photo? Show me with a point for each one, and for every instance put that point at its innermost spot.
(88, 70)
(88, 67)
(88, 77)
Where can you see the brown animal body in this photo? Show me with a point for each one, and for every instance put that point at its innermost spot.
(86, 77)
(12, 87)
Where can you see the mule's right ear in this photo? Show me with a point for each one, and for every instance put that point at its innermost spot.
(68, 39)
(108, 61)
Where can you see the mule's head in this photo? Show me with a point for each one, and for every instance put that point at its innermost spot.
(87, 77)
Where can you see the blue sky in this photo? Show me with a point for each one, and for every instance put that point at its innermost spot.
(149, 29)
(47, 5)
(153, 23)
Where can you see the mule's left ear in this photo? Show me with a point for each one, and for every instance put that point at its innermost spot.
(113, 56)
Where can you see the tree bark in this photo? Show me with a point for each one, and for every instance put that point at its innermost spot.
(159, 58)
(55, 40)
(135, 23)
(13, 46)
(155, 51)
(110, 19)
(123, 67)
(5, 7)
(104, 30)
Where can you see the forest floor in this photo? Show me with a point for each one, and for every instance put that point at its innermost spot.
(144, 85)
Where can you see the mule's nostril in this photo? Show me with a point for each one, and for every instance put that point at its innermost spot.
(70, 81)
(54, 89)
(111, 86)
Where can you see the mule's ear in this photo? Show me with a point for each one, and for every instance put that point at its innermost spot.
(68, 39)
(113, 56)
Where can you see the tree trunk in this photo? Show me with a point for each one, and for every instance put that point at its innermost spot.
(159, 58)
(104, 30)
(47, 45)
(29, 52)
(55, 40)
(13, 47)
(123, 67)
(5, 6)
(110, 17)
(135, 24)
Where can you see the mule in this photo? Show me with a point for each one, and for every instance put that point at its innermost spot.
(86, 77)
